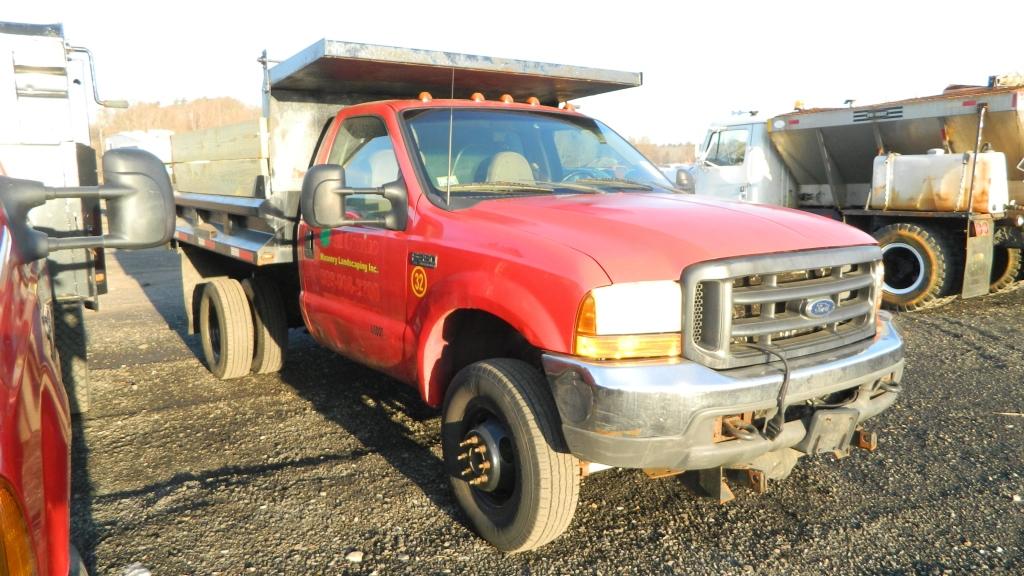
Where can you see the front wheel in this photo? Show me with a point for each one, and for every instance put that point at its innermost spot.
(506, 458)
(919, 266)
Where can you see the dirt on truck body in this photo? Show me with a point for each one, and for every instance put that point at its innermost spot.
(532, 275)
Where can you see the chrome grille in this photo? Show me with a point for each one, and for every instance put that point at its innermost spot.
(765, 299)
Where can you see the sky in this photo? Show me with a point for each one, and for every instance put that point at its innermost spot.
(700, 62)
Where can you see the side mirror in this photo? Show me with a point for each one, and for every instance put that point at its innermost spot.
(684, 181)
(323, 200)
(140, 206)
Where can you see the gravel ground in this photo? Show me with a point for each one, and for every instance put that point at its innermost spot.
(327, 463)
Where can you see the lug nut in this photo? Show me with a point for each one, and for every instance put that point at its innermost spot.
(485, 465)
(480, 449)
(478, 481)
(464, 455)
(467, 471)
(471, 441)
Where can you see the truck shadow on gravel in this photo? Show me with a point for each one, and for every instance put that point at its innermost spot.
(158, 272)
(83, 524)
(387, 417)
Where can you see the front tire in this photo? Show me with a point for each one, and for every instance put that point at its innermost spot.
(225, 328)
(919, 266)
(526, 494)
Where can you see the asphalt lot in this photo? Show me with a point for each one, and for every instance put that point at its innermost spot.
(290, 473)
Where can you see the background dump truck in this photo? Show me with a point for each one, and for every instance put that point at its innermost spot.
(45, 87)
(937, 180)
(531, 274)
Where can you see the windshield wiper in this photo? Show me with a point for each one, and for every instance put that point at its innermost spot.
(501, 186)
(617, 183)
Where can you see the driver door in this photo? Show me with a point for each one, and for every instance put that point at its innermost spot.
(354, 276)
(722, 172)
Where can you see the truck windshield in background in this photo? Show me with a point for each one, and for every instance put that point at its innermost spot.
(497, 153)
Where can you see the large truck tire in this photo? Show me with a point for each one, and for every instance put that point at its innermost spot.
(920, 266)
(1006, 265)
(506, 458)
(270, 324)
(225, 328)
(72, 349)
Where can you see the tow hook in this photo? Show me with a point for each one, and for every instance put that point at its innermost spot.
(739, 429)
(865, 440)
(888, 383)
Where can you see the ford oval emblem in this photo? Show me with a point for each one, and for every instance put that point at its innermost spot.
(819, 308)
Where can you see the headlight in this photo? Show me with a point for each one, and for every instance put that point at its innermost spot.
(630, 320)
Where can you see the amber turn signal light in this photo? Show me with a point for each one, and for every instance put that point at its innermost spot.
(15, 551)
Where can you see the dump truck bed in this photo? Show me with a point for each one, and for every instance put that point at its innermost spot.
(383, 72)
(238, 186)
(837, 146)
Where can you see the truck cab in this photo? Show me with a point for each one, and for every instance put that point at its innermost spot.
(737, 162)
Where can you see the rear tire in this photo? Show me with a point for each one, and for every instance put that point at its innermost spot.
(919, 266)
(270, 324)
(536, 481)
(1006, 266)
(226, 329)
(72, 349)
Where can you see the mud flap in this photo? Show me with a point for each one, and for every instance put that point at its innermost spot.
(978, 260)
(829, 431)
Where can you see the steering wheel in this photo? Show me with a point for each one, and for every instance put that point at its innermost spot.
(583, 174)
(467, 152)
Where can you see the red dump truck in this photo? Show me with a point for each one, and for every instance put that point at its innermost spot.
(531, 274)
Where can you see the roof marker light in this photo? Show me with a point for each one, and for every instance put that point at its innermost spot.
(506, 98)
(425, 96)
(533, 101)
(568, 106)
(477, 97)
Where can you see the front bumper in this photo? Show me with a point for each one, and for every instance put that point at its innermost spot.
(661, 414)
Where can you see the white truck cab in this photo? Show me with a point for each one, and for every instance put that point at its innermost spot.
(737, 162)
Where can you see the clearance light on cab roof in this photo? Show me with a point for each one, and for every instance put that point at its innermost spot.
(477, 97)
(506, 98)
(533, 101)
(424, 96)
(630, 320)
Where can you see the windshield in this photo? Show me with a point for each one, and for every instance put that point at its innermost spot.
(498, 153)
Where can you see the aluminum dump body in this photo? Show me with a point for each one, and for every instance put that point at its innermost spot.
(837, 147)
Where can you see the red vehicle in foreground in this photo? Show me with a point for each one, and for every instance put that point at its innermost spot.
(35, 419)
(531, 274)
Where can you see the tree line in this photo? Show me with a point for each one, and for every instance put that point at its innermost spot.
(189, 115)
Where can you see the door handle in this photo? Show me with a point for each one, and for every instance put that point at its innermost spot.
(308, 245)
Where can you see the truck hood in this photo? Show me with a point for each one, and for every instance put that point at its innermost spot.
(651, 236)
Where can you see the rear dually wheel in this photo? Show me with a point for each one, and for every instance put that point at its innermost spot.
(226, 328)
